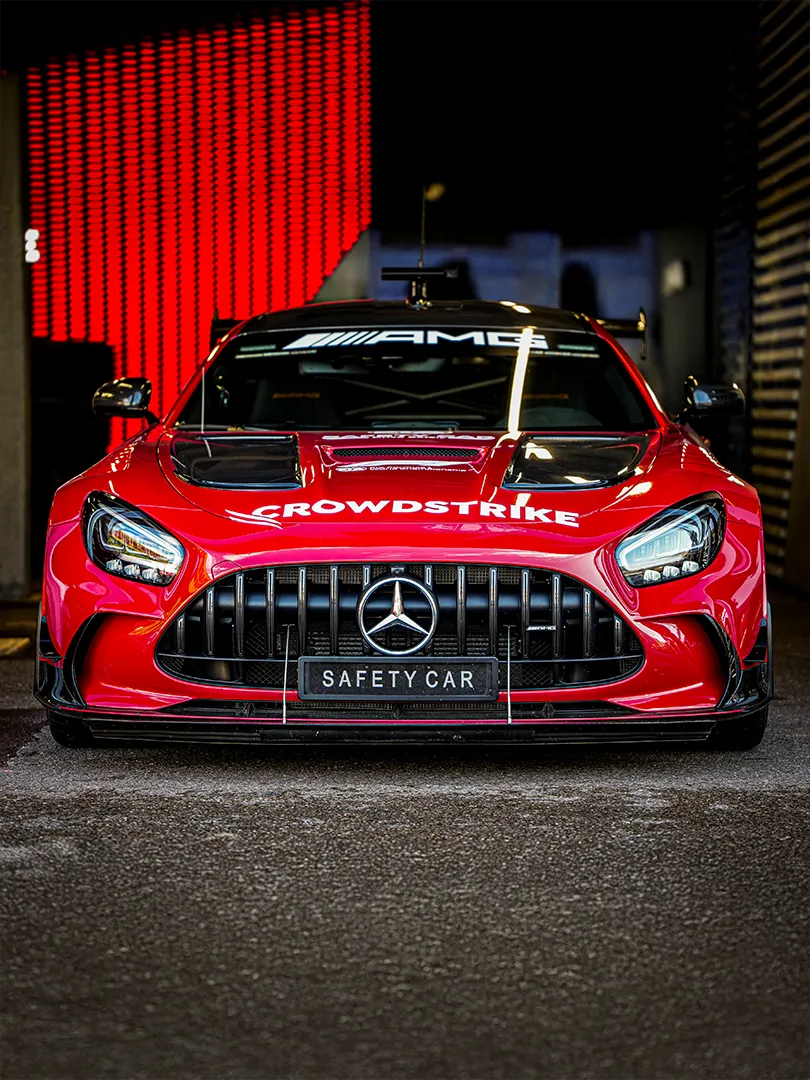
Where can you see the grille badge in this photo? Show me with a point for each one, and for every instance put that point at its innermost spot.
(398, 617)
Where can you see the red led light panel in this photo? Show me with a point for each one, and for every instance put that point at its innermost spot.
(218, 172)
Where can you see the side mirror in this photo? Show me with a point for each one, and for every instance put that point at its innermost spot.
(124, 397)
(710, 401)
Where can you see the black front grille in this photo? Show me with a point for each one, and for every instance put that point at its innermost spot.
(248, 629)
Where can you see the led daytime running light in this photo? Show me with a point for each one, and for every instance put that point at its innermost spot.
(126, 542)
(676, 543)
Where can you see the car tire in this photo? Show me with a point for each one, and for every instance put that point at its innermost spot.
(740, 734)
(74, 735)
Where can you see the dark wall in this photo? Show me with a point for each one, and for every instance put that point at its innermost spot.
(66, 438)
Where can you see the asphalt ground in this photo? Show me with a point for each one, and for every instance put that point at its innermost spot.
(173, 912)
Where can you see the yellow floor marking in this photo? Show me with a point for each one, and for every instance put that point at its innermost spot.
(11, 646)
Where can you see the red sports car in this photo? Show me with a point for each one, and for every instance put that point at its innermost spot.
(404, 521)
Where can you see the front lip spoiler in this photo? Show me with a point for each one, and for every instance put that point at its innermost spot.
(694, 727)
(424, 734)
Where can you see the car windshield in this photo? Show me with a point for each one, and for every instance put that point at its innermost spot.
(452, 378)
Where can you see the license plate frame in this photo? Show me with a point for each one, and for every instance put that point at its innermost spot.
(483, 672)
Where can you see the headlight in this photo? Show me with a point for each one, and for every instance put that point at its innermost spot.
(678, 542)
(126, 542)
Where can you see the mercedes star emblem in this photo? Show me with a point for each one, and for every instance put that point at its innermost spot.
(398, 618)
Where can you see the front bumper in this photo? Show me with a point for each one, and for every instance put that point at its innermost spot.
(694, 673)
(519, 723)
(699, 670)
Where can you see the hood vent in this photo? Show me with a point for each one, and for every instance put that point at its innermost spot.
(237, 461)
(574, 461)
(422, 453)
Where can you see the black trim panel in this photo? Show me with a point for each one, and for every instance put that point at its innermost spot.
(57, 686)
(760, 652)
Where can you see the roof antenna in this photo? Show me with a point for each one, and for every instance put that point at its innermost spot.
(422, 233)
(202, 388)
(418, 276)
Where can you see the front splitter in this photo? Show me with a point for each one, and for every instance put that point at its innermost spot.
(606, 731)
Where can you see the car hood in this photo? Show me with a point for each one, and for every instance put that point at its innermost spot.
(349, 495)
(386, 476)
(232, 461)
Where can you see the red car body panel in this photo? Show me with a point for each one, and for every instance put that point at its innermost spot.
(361, 511)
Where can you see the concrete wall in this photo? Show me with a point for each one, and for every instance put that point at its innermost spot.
(683, 325)
(14, 409)
(529, 269)
(626, 279)
(349, 280)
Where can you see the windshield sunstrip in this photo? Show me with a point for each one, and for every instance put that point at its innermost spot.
(418, 378)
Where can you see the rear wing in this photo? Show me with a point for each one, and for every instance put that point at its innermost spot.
(628, 328)
(220, 328)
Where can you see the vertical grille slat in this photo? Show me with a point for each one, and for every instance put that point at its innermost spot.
(302, 610)
(334, 608)
(270, 610)
(525, 610)
(618, 636)
(365, 648)
(427, 577)
(180, 634)
(239, 614)
(587, 623)
(210, 625)
(493, 610)
(461, 609)
(562, 632)
(556, 616)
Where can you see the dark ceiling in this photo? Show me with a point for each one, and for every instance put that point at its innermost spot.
(593, 119)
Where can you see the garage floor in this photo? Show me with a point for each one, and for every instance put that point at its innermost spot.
(238, 912)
